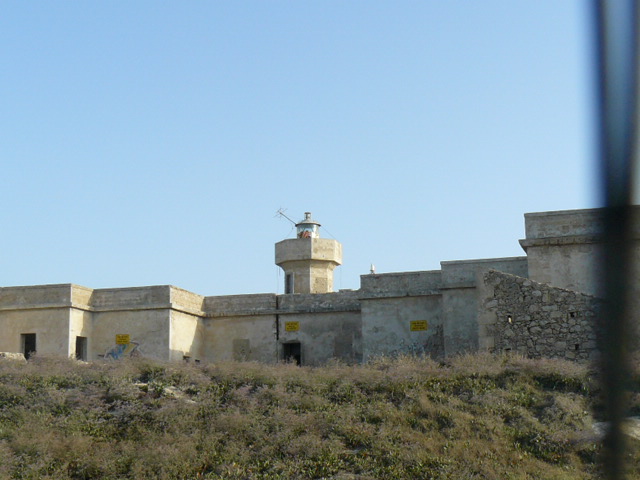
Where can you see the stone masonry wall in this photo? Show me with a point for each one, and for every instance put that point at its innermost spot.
(538, 320)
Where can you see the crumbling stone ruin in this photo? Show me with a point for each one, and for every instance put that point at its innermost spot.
(538, 320)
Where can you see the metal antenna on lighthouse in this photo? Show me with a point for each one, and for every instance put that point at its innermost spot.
(280, 213)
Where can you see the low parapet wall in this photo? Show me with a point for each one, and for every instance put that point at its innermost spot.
(400, 284)
(131, 298)
(563, 223)
(240, 305)
(462, 273)
(38, 296)
(319, 302)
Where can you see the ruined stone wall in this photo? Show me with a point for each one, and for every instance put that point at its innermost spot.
(535, 319)
(460, 299)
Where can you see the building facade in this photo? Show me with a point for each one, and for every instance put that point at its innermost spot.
(540, 304)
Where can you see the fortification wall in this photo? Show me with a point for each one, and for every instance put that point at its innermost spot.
(186, 301)
(50, 326)
(343, 301)
(322, 334)
(240, 338)
(186, 336)
(535, 319)
(37, 296)
(240, 305)
(563, 248)
(148, 327)
(400, 284)
(460, 299)
(134, 298)
(402, 325)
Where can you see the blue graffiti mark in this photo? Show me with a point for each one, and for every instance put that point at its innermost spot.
(131, 349)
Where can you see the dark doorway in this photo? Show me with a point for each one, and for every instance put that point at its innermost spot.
(291, 352)
(28, 344)
(81, 348)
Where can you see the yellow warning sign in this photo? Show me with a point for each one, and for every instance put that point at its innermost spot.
(123, 339)
(419, 325)
(291, 326)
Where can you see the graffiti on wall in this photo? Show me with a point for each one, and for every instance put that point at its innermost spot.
(124, 350)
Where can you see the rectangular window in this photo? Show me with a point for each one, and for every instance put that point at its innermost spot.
(28, 341)
(288, 283)
(81, 348)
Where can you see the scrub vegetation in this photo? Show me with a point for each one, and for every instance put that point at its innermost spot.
(475, 417)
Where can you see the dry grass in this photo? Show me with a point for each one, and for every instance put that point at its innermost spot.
(476, 417)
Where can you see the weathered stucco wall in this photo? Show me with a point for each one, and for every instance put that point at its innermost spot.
(401, 314)
(43, 310)
(148, 327)
(81, 325)
(388, 328)
(323, 336)
(535, 319)
(187, 337)
(240, 327)
(563, 248)
(39, 296)
(329, 326)
(252, 304)
(51, 326)
(131, 298)
(143, 313)
(241, 338)
(186, 301)
(311, 261)
(460, 299)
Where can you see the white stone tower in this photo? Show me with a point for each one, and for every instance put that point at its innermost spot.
(308, 260)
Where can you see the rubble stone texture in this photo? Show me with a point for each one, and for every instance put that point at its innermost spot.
(539, 320)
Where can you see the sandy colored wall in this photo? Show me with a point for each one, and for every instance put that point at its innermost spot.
(150, 328)
(390, 303)
(51, 326)
(35, 296)
(241, 338)
(81, 325)
(563, 248)
(387, 326)
(460, 299)
(187, 336)
(41, 309)
(186, 301)
(565, 265)
(323, 336)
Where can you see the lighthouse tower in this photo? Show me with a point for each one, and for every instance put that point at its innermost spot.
(308, 260)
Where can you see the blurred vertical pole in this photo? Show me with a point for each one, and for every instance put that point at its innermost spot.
(616, 25)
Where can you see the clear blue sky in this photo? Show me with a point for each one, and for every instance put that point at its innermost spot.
(147, 142)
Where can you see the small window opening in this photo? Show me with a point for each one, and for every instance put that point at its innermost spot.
(573, 314)
(509, 318)
(288, 283)
(576, 347)
(507, 350)
(81, 348)
(28, 344)
(291, 352)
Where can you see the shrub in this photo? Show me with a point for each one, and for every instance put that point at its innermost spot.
(476, 416)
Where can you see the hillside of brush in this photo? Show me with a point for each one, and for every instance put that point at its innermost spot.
(475, 417)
